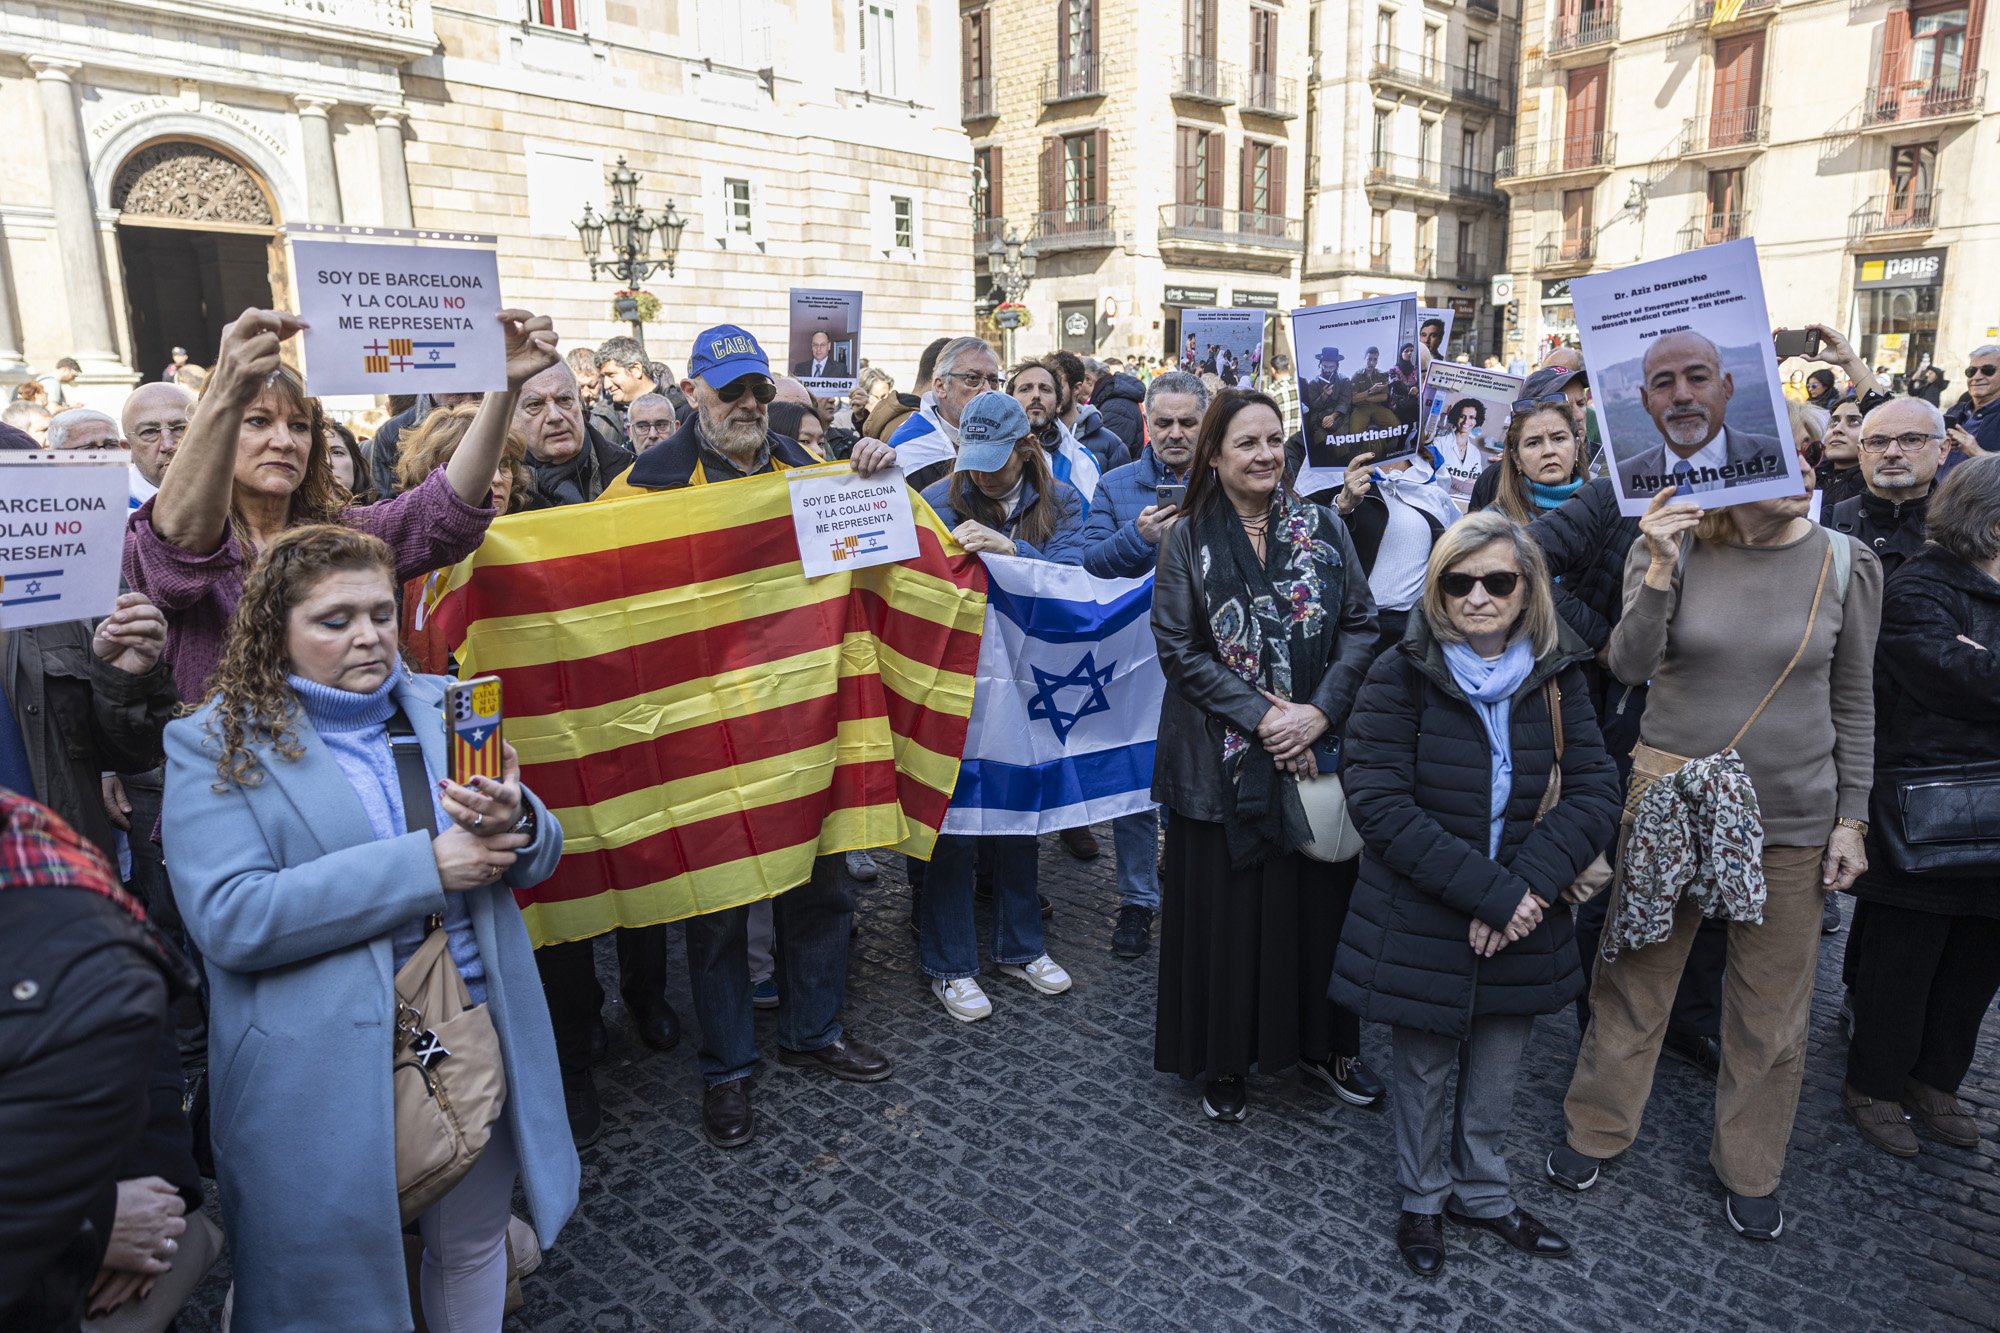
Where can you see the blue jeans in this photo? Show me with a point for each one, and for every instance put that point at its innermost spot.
(813, 922)
(1136, 840)
(949, 948)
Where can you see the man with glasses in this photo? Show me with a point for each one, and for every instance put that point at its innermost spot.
(652, 421)
(1902, 449)
(154, 419)
(730, 436)
(1974, 420)
(926, 444)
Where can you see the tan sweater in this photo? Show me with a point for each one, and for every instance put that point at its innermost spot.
(1714, 643)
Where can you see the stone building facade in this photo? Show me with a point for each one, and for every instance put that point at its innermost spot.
(163, 148)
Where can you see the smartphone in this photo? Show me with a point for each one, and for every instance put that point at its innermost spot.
(1797, 342)
(472, 728)
(1164, 495)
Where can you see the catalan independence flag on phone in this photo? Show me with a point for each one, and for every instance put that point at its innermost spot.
(701, 717)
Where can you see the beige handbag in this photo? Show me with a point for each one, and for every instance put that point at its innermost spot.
(1334, 836)
(448, 1081)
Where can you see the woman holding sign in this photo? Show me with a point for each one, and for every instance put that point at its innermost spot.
(255, 463)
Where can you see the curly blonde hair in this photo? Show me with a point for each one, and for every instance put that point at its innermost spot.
(253, 702)
(435, 439)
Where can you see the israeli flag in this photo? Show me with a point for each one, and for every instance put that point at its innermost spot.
(1066, 708)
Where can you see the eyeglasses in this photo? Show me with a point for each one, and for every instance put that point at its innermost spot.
(534, 407)
(1909, 443)
(755, 385)
(1546, 400)
(651, 427)
(1971, 371)
(972, 379)
(1500, 583)
(152, 432)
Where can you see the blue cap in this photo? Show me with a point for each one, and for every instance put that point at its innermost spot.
(988, 429)
(724, 354)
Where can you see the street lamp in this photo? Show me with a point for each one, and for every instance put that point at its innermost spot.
(1011, 263)
(632, 230)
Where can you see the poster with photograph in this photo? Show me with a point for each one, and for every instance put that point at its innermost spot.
(1358, 384)
(1434, 329)
(1465, 421)
(1228, 344)
(1683, 379)
(824, 350)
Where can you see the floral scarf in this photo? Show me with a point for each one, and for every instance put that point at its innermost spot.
(1272, 629)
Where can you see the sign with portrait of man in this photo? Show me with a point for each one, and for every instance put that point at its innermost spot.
(1684, 380)
(824, 343)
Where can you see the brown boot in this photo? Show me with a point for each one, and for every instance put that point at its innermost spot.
(1082, 843)
(1943, 1114)
(1881, 1123)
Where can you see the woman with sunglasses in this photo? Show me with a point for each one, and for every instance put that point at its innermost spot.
(1476, 810)
(1542, 463)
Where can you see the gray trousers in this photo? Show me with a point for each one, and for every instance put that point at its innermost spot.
(1489, 1064)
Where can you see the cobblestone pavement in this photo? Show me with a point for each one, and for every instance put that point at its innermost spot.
(1033, 1172)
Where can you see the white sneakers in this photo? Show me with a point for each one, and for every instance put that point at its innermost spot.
(964, 1000)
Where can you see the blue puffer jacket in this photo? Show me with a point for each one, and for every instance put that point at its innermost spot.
(1065, 544)
(1100, 439)
(1112, 546)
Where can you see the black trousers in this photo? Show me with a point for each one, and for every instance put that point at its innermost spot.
(150, 886)
(1921, 989)
(576, 1000)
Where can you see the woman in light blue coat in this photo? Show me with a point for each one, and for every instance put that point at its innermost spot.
(287, 848)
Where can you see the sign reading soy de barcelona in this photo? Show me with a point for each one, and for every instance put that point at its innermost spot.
(397, 317)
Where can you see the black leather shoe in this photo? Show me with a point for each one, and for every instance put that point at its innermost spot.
(656, 1023)
(854, 1061)
(1704, 1053)
(725, 1113)
(1420, 1236)
(1518, 1229)
(1225, 1100)
(586, 1113)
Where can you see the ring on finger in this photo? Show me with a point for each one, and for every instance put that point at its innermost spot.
(477, 820)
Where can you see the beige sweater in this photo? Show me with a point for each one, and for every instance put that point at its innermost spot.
(1714, 643)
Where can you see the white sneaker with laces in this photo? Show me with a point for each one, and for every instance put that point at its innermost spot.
(963, 999)
(1045, 974)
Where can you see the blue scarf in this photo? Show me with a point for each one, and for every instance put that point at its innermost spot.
(1490, 685)
(1548, 497)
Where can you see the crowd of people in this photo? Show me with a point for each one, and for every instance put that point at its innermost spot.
(1449, 747)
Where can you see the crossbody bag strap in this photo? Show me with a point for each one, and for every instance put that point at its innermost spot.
(1552, 694)
(1826, 562)
(418, 815)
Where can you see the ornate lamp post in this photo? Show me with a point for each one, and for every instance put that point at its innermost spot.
(632, 230)
(1011, 262)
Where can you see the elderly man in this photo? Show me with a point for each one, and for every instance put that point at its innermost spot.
(1975, 418)
(31, 419)
(729, 436)
(84, 428)
(652, 419)
(1685, 390)
(1902, 447)
(927, 443)
(155, 420)
(571, 463)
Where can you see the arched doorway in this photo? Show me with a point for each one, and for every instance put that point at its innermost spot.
(198, 241)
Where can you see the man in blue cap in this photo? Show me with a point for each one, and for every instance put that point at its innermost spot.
(730, 436)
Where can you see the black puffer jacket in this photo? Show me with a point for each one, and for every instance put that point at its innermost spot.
(1418, 774)
(1121, 400)
(1586, 540)
(1892, 529)
(1934, 704)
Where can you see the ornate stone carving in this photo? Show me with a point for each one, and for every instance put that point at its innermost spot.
(189, 182)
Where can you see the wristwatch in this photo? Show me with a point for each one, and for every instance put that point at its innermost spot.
(1858, 825)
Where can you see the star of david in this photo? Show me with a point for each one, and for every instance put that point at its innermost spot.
(1085, 675)
(34, 586)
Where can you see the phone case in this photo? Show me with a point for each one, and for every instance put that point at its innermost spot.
(472, 726)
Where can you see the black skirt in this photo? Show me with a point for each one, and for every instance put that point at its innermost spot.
(1245, 957)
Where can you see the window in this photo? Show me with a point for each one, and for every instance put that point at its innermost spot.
(1378, 241)
(736, 207)
(1198, 176)
(903, 219)
(878, 47)
(1468, 149)
(1739, 76)
(1263, 192)
(1576, 233)
(564, 14)
(1475, 55)
(1429, 50)
(1380, 137)
(736, 33)
(1073, 183)
(1937, 46)
(977, 35)
(1427, 154)
(1079, 178)
(1076, 43)
(1583, 121)
(1427, 235)
(1468, 246)
(1264, 41)
(1385, 31)
(1198, 29)
(1912, 171)
(987, 208)
(732, 215)
(1724, 198)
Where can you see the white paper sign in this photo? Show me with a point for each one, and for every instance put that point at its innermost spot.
(399, 318)
(62, 536)
(846, 521)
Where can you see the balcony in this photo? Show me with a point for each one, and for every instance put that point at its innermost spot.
(1707, 228)
(1257, 240)
(1741, 132)
(1478, 89)
(1071, 80)
(985, 231)
(1382, 260)
(1470, 268)
(1574, 155)
(1468, 184)
(1077, 227)
(1413, 73)
(1892, 217)
(1392, 174)
(1269, 95)
(1204, 80)
(975, 100)
(1892, 106)
(1576, 34)
(1573, 249)
(1752, 11)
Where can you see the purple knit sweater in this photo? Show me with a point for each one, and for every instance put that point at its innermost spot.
(427, 527)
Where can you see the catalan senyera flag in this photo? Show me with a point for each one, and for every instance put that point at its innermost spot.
(701, 717)
(1725, 12)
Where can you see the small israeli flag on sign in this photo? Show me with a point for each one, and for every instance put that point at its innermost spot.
(1066, 709)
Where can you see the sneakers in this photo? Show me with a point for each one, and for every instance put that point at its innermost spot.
(1755, 1219)
(1133, 932)
(1571, 1169)
(764, 994)
(1829, 915)
(1942, 1114)
(1881, 1123)
(1224, 1100)
(861, 866)
(962, 999)
(1348, 1079)
(1045, 974)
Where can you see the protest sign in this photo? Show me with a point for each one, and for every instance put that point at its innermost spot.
(1681, 372)
(62, 535)
(825, 344)
(1434, 329)
(1356, 395)
(1465, 421)
(846, 521)
(393, 318)
(1229, 344)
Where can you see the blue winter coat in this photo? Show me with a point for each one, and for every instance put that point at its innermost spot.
(292, 902)
(1100, 439)
(1112, 546)
(1064, 546)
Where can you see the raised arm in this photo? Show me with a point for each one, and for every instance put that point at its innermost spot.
(531, 349)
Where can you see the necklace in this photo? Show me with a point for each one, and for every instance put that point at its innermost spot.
(1255, 527)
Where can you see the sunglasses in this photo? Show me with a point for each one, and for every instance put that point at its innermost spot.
(756, 386)
(1546, 400)
(1500, 583)
(1971, 371)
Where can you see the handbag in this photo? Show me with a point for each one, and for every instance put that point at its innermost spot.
(445, 1059)
(1941, 821)
(1598, 873)
(1334, 836)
